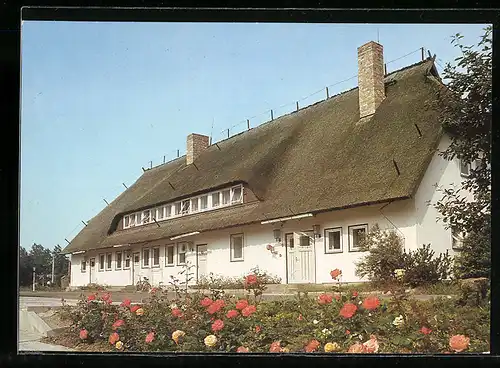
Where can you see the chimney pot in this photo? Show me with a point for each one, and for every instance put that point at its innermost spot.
(371, 87)
(196, 144)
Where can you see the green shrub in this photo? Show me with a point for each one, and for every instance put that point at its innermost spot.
(474, 258)
(423, 268)
(213, 281)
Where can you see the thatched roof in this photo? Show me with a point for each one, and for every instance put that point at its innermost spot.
(317, 159)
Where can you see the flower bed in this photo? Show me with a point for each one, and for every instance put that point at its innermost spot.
(335, 322)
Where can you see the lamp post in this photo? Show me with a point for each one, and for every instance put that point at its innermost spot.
(53, 268)
(33, 278)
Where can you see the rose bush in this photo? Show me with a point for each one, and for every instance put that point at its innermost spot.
(332, 323)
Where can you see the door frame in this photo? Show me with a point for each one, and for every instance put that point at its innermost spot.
(313, 251)
(133, 265)
(90, 268)
(197, 265)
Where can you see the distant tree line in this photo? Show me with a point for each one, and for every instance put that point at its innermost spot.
(41, 258)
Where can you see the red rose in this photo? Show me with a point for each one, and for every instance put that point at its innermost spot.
(242, 304)
(347, 332)
(217, 325)
(91, 297)
(355, 293)
(269, 247)
(248, 310)
(335, 273)
(348, 310)
(150, 337)
(242, 349)
(176, 312)
(251, 279)
(105, 296)
(125, 303)
(325, 299)
(337, 297)
(275, 347)
(83, 334)
(300, 318)
(312, 346)
(206, 302)
(113, 338)
(257, 329)
(117, 324)
(425, 330)
(134, 308)
(215, 306)
(371, 303)
(232, 313)
(109, 301)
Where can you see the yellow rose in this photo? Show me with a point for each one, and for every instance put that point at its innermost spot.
(176, 335)
(119, 345)
(210, 340)
(285, 350)
(331, 346)
(139, 312)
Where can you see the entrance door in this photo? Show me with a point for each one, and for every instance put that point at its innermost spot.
(92, 270)
(136, 267)
(201, 261)
(300, 256)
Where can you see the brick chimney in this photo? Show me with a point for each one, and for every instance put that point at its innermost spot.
(370, 78)
(196, 144)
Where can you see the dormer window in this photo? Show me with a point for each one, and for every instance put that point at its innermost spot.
(210, 201)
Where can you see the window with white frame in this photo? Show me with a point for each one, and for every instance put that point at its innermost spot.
(169, 255)
(464, 168)
(83, 265)
(356, 234)
(333, 240)
(118, 261)
(127, 260)
(101, 262)
(457, 239)
(181, 253)
(289, 240)
(305, 239)
(236, 247)
(156, 257)
(145, 257)
(109, 261)
(206, 202)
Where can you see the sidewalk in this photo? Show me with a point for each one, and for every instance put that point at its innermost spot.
(30, 342)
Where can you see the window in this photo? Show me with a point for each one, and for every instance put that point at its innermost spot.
(178, 208)
(101, 262)
(138, 219)
(185, 207)
(159, 213)
(127, 260)
(203, 202)
(305, 239)
(236, 195)
(194, 205)
(356, 234)
(289, 240)
(457, 239)
(236, 247)
(118, 260)
(156, 257)
(146, 216)
(169, 257)
(83, 265)
(108, 261)
(168, 211)
(145, 257)
(215, 199)
(333, 240)
(126, 222)
(181, 252)
(226, 197)
(464, 168)
(131, 219)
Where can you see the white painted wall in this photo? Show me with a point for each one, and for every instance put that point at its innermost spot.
(445, 174)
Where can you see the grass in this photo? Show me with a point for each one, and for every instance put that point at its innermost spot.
(440, 288)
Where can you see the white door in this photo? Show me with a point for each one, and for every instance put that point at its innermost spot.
(201, 260)
(300, 257)
(136, 267)
(92, 271)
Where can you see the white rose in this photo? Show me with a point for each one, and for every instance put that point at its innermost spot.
(315, 321)
(173, 306)
(398, 321)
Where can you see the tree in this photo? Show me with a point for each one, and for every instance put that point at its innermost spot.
(467, 118)
(61, 264)
(25, 268)
(42, 260)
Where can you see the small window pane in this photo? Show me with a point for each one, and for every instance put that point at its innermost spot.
(204, 202)
(138, 218)
(185, 207)
(334, 240)
(237, 197)
(126, 222)
(156, 256)
(237, 246)
(119, 260)
(181, 250)
(289, 240)
(194, 205)
(84, 266)
(357, 236)
(226, 196)
(178, 208)
(159, 213)
(215, 199)
(108, 261)
(305, 241)
(168, 211)
(146, 216)
(145, 257)
(170, 255)
(101, 262)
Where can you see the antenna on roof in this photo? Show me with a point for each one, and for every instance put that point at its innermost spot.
(418, 130)
(327, 94)
(228, 133)
(150, 164)
(196, 166)
(171, 185)
(429, 53)
(212, 130)
(396, 167)
(378, 40)
(143, 169)
(156, 222)
(105, 201)
(423, 54)
(66, 240)
(84, 223)
(272, 118)
(217, 146)
(297, 105)
(177, 153)
(248, 124)
(163, 158)
(125, 186)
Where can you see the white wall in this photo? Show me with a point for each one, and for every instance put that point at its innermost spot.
(445, 174)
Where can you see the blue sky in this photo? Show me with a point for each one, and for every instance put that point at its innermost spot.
(101, 100)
